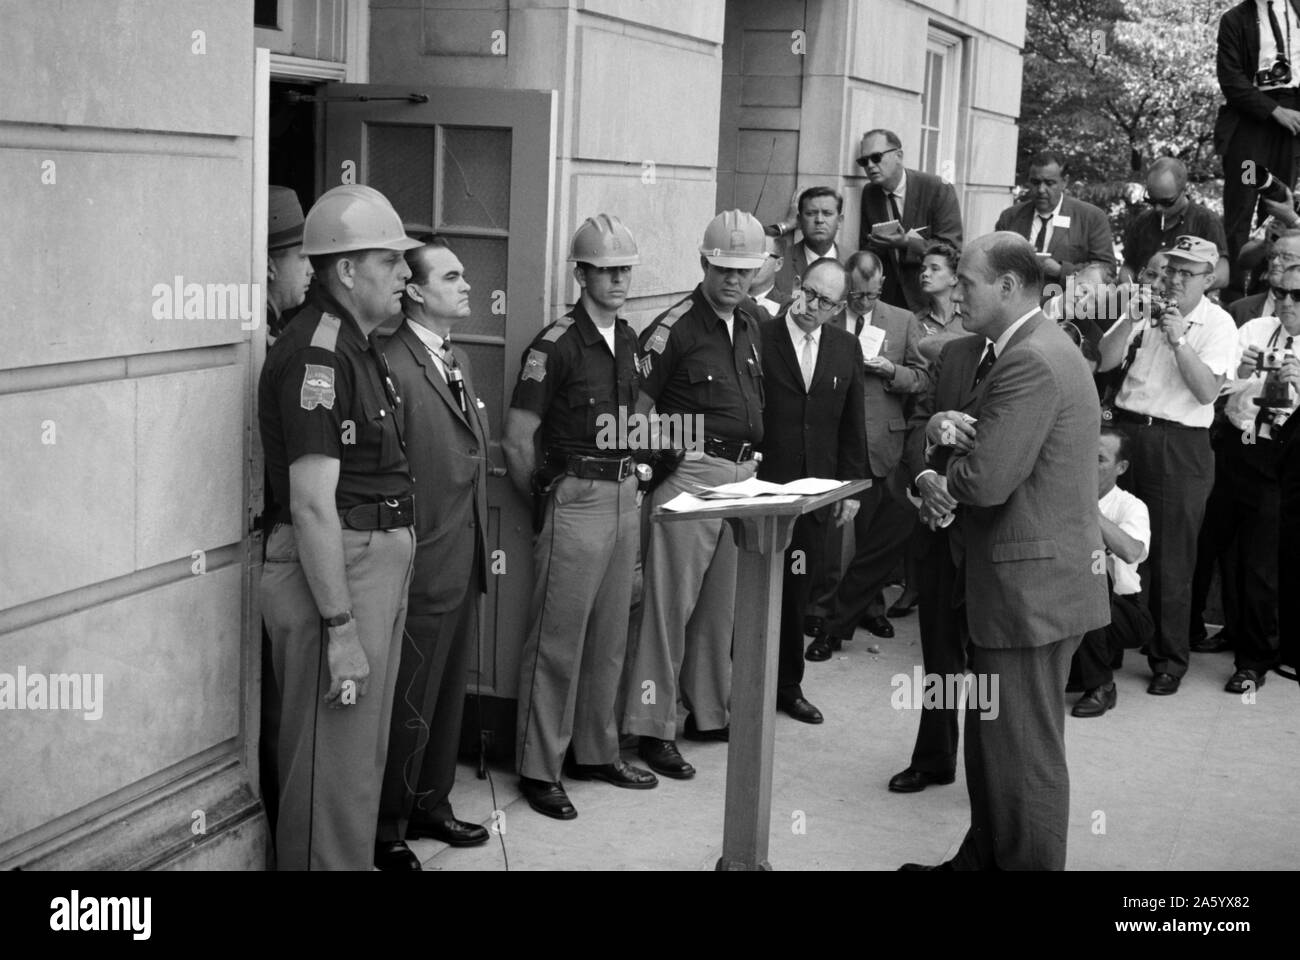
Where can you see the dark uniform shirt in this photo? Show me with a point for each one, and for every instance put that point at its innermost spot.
(582, 394)
(1144, 238)
(690, 366)
(323, 390)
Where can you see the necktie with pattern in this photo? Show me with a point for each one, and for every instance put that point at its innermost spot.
(985, 365)
(455, 380)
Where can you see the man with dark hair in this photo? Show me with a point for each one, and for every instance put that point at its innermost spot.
(1066, 233)
(820, 212)
(1126, 533)
(1024, 477)
(1173, 214)
(447, 441)
(1258, 127)
(903, 211)
(812, 427)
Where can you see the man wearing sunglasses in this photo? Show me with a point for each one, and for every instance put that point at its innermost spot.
(1246, 490)
(812, 427)
(1173, 214)
(903, 211)
(1173, 362)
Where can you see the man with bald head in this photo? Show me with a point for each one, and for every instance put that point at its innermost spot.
(1022, 478)
(1173, 214)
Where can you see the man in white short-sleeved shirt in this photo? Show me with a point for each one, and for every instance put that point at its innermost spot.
(1174, 362)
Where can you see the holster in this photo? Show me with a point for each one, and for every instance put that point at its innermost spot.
(662, 463)
(543, 484)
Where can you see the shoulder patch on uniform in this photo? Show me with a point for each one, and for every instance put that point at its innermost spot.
(534, 366)
(327, 333)
(317, 387)
(557, 329)
(659, 338)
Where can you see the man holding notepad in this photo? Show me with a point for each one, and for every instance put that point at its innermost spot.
(903, 211)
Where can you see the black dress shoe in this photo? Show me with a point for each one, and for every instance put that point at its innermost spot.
(800, 709)
(813, 624)
(619, 773)
(547, 798)
(1163, 684)
(1237, 682)
(395, 855)
(452, 832)
(1220, 641)
(692, 732)
(1096, 701)
(914, 781)
(901, 609)
(880, 626)
(663, 758)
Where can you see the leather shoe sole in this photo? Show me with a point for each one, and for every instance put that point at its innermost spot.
(1096, 702)
(454, 833)
(879, 626)
(800, 709)
(548, 799)
(618, 773)
(914, 781)
(663, 758)
(1163, 684)
(396, 856)
(1237, 682)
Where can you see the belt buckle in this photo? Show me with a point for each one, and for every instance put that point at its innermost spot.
(746, 449)
(391, 502)
(624, 469)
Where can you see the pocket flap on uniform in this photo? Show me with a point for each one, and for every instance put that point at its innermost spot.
(1023, 550)
(699, 372)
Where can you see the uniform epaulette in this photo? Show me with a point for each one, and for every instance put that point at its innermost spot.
(558, 328)
(676, 312)
(664, 326)
(327, 332)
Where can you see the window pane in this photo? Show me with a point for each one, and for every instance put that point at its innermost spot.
(401, 168)
(936, 88)
(475, 188)
(485, 269)
(485, 370)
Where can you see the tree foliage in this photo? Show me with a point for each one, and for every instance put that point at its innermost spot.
(1113, 84)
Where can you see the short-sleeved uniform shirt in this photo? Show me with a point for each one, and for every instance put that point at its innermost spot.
(690, 365)
(1145, 237)
(581, 391)
(325, 390)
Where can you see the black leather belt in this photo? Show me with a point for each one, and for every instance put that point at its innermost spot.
(384, 515)
(1142, 420)
(617, 469)
(737, 451)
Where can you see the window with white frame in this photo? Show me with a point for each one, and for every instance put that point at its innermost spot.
(939, 103)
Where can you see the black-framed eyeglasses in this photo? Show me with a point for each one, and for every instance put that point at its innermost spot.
(812, 298)
(1183, 275)
(1161, 201)
(875, 158)
(1282, 293)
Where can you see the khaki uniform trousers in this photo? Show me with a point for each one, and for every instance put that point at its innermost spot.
(687, 612)
(572, 659)
(331, 761)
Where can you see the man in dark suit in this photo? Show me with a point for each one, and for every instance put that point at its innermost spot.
(1066, 233)
(820, 211)
(446, 437)
(956, 375)
(924, 206)
(894, 370)
(812, 427)
(1259, 124)
(1025, 478)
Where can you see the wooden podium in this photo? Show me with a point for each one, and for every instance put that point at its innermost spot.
(762, 533)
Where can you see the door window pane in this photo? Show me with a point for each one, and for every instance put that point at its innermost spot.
(401, 168)
(475, 188)
(485, 269)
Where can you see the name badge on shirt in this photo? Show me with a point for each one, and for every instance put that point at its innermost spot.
(1060, 220)
(871, 339)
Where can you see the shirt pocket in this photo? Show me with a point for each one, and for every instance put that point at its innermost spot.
(703, 377)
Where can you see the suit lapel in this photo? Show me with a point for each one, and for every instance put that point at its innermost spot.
(434, 376)
(912, 200)
(785, 350)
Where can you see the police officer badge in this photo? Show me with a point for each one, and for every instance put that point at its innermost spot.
(317, 387)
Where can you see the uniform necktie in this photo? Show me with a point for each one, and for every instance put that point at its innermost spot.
(985, 365)
(455, 380)
(1043, 223)
(806, 361)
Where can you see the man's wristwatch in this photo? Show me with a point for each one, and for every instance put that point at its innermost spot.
(1180, 341)
(340, 620)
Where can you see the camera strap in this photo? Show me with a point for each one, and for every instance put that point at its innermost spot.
(1283, 45)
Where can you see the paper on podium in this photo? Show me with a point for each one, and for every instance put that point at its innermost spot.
(753, 487)
(685, 503)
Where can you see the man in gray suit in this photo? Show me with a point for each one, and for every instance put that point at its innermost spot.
(1025, 478)
(446, 438)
